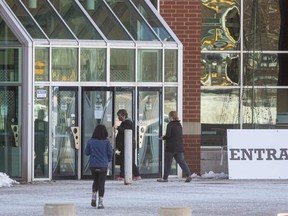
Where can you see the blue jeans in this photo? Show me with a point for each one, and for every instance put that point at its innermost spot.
(179, 157)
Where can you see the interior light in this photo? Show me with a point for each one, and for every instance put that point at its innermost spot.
(90, 4)
(32, 3)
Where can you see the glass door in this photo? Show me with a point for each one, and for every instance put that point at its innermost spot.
(97, 108)
(149, 130)
(65, 131)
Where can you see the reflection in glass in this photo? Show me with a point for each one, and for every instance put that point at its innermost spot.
(220, 110)
(10, 64)
(150, 65)
(48, 20)
(64, 116)
(122, 65)
(25, 19)
(105, 20)
(64, 64)
(220, 69)
(259, 107)
(93, 64)
(220, 25)
(148, 140)
(261, 25)
(132, 21)
(76, 20)
(261, 69)
(97, 109)
(170, 65)
(10, 131)
(6, 35)
(41, 64)
(153, 21)
(41, 133)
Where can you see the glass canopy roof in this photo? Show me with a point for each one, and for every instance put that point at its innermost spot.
(97, 20)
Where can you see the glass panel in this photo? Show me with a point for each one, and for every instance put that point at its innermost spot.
(64, 64)
(97, 108)
(25, 19)
(10, 65)
(149, 147)
(105, 20)
(133, 22)
(155, 3)
(122, 65)
(220, 25)
(76, 20)
(259, 108)
(220, 69)
(41, 64)
(10, 129)
(41, 132)
(262, 25)
(263, 69)
(93, 64)
(150, 65)
(64, 117)
(6, 35)
(153, 21)
(48, 20)
(170, 104)
(219, 112)
(171, 65)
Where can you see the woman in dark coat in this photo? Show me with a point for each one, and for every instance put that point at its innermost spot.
(174, 147)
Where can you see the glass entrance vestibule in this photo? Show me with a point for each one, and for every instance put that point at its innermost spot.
(67, 66)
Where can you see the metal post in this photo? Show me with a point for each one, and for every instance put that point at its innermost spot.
(128, 156)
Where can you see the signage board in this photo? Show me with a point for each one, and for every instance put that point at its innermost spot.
(257, 154)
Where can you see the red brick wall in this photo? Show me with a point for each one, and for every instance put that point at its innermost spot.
(184, 18)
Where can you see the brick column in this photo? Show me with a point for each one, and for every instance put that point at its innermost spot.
(184, 18)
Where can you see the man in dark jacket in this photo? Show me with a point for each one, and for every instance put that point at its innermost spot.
(126, 123)
(174, 148)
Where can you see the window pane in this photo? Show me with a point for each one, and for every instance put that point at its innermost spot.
(133, 22)
(6, 35)
(259, 107)
(48, 20)
(171, 60)
(93, 64)
(220, 69)
(220, 25)
(122, 66)
(153, 21)
(150, 65)
(41, 64)
(64, 64)
(261, 25)
(10, 64)
(105, 20)
(76, 20)
(219, 112)
(41, 133)
(25, 19)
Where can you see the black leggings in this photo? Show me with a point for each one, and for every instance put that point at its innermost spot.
(99, 178)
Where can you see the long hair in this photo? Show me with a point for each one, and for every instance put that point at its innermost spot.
(100, 132)
(174, 115)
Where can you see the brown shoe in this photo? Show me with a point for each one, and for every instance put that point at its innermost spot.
(188, 179)
(162, 180)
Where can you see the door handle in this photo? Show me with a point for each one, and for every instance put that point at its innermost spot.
(15, 130)
(76, 135)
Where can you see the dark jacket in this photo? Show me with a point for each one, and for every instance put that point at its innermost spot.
(126, 124)
(174, 137)
(100, 152)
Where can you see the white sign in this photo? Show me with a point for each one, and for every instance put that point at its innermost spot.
(257, 154)
(41, 93)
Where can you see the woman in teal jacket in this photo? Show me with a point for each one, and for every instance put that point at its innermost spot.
(100, 151)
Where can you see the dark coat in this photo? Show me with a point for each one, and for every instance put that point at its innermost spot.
(174, 137)
(126, 124)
